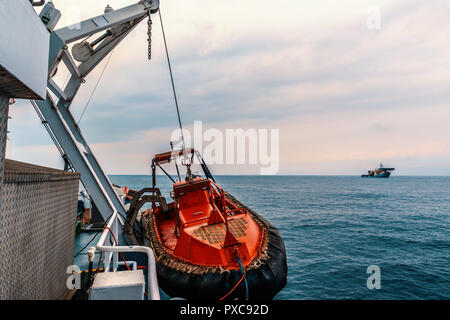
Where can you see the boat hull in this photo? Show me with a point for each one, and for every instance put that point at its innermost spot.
(265, 275)
(380, 175)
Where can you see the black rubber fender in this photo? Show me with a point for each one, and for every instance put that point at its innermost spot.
(264, 282)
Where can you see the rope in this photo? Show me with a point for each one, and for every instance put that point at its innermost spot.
(243, 278)
(99, 261)
(79, 252)
(123, 258)
(95, 88)
(46, 126)
(96, 234)
(171, 77)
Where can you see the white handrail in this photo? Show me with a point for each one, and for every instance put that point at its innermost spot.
(153, 288)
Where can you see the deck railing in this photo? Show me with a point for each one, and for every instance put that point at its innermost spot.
(111, 254)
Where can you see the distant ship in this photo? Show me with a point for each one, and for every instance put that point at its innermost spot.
(381, 172)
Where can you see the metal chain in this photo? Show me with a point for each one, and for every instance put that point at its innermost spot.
(149, 33)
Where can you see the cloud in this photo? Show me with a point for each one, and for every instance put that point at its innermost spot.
(44, 155)
(312, 69)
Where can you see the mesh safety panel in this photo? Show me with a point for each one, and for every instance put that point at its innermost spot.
(37, 231)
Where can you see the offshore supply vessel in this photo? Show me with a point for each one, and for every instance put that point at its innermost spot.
(380, 172)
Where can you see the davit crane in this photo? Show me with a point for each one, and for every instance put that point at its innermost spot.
(82, 59)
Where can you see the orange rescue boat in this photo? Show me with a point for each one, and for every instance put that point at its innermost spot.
(207, 244)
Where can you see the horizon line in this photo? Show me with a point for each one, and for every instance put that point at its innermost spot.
(287, 175)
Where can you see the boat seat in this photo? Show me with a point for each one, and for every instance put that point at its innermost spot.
(195, 206)
(184, 188)
(193, 200)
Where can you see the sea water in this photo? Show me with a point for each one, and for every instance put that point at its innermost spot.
(335, 227)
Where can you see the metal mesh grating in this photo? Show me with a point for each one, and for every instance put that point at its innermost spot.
(37, 233)
(215, 233)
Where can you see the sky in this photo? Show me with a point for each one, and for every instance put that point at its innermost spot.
(348, 84)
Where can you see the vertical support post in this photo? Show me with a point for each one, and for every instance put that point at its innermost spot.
(107, 259)
(4, 109)
(116, 233)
